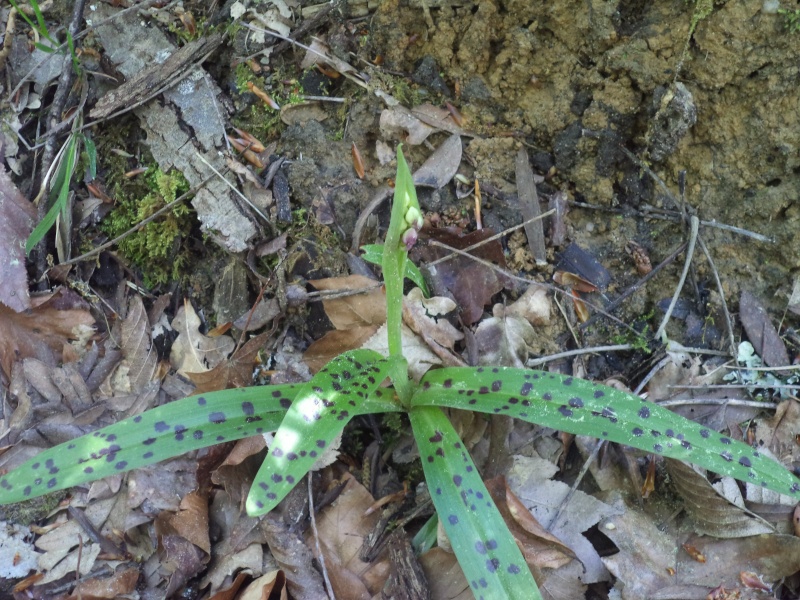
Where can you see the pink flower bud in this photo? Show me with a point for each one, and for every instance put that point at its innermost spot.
(409, 238)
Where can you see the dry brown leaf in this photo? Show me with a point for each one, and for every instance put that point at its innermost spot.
(441, 166)
(471, 284)
(503, 340)
(333, 343)
(445, 577)
(356, 310)
(716, 509)
(425, 317)
(761, 332)
(264, 587)
(398, 121)
(419, 355)
(534, 305)
(193, 352)
(191, 521)
(235, 372)
(41, 332)
(358, 161)
(540, 548)
(342, 528)
(120, 583)
(139, 357)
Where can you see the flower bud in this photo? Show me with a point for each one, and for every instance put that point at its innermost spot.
(414, 217)
(409, 238)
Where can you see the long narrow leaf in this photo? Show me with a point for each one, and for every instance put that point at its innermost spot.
(586, 408)
(158, 434)
(485, 548)
(346, 387)
(61, 190)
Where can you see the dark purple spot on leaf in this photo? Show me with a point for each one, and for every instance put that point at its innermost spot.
(285, 403)
(480, 547)
(248, 408)
(121, 465)
(513, 569)
(599, 393)
(745, 462)
(644, 412)
(576, 402)
(526, 389)
(201, 401)
(149, 441)
(453, 520)
(637, 431)
(658, 447)
(727, 456)
(276, 478)
(436, 437)
(216, 417)
(147, 455)
(457, 480)
(161, 427)
(496, 386)
(52, 483)
(492, 564)
(566, 412)
(725, 440)
(88, 470)
(277, 452)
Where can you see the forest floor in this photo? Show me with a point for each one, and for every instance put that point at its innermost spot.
(214, 184)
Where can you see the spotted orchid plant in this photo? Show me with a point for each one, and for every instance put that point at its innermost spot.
(309, 416)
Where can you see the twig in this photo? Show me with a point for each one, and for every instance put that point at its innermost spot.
(718, 402)
(510, 275)
(738, 386)
(311, 512)
(611, 307)
(695, 223)
(651, 373)
(595, 350)
(234, 188)
(728, 320)
(492, 238)
(563, 504)
(138, 226)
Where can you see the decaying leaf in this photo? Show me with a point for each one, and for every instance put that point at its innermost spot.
(504, 339)
(16, 223)
(193, 352)
(761, 332)
(237, 371)
(354, 310)
(333, 343)
(471, 284)
(398, 121)
(441, 166)
(716, 509)
(44, 331)
(139, 357)
(419, 355)
(426, 318)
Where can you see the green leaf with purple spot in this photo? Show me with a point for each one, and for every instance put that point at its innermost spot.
(346, 387)
(485, 548)
(586, 408)
(153, 436)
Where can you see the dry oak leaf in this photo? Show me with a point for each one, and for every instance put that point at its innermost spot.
(237, 371)
(41, 332)
(16, 223)
(356, 310)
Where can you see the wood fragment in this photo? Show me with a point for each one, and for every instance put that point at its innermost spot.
(156, 78)
(529, 206)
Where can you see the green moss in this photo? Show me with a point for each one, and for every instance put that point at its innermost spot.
(33, 510)
(791, 19)
(156, 249)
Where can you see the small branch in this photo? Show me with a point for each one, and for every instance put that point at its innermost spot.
(695, 223)
(312, 515)
(595, 350)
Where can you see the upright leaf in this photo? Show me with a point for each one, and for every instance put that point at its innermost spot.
(158, 434)
(586, 408)
(346, 387)
(485, 548)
